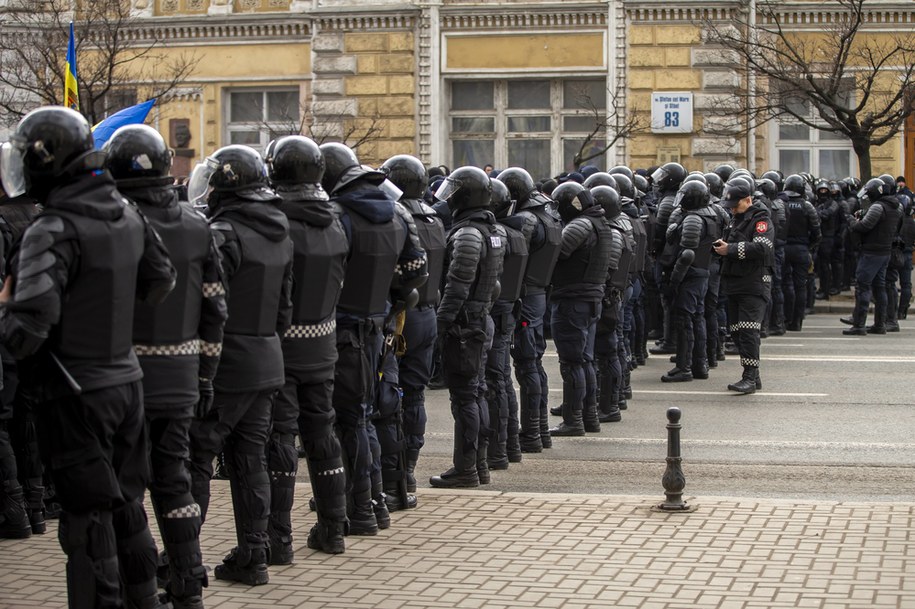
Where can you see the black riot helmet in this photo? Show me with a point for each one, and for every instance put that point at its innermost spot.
(601, 178)
(609, 199)
(775, 177)
(519, 183)
(466, 188)
(768, 188)
(822, 190)
(50, 145)
(834, 189)
(873, 190)
(342, 167)
(742, 173)
(641, 183)
(621, 170)
(715, 184)
(696, 176)
(296, 160)
(137, 152)
(890, 182)
(236, 169)
(669, 176)
(571, 199)
(795, 183)
(501, 199)
(724, 171)
(848, 186)
(693, 195)
(624, 186)
(408, 174)
(744, 181)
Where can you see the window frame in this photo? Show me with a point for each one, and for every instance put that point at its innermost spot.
(265, 127)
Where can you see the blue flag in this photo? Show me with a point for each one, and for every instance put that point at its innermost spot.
(134, 115)
(71, 88)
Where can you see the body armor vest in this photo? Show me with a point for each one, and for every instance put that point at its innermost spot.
(798, 223)
(373, 258)
(880, 238)
(432, 239)
(18, 216)
(542, 261)
(105, 287)
(254, 289)
(620, 277)
(187, 239)
(640, 235)
(491, 260)
(319, 264)
(514, 266)
(587, 265)
(710, 234)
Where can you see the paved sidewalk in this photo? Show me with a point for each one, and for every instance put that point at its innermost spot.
(491, 549)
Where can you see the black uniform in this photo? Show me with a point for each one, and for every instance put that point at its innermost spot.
(384, 256)
(666, 206)
(607, 346)
(544, 234)
(746, 278)
(257, 255)
(578, 288)
(177, 343)
(803, 238)
(830, 224)
(419, 332)
(304, 405)
(80, 267)
(20, 463)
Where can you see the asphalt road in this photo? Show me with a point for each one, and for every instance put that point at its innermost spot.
(835, 420)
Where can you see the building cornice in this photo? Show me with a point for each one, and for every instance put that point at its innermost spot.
(396, 17)
(524, 16)
(684, 11)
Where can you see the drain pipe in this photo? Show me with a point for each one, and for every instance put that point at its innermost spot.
(751, 95)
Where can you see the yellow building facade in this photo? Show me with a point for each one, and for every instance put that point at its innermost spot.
(500, 83)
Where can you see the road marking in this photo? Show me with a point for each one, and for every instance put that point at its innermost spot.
(784, 345)
(809, 338)
(864, 359)
(720, 392)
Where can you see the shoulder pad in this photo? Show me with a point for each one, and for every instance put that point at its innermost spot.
(222, 226)
(41, 235)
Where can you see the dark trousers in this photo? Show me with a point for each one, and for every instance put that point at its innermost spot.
(689, 322)
(527, 351)
(237, 426)
(794, 282)
(905, 283)
(745, 315)
(574, 324)
(870, 281)
(777, 304)
(415, 370)
(499, 382)
(464, 349)
(95, 447)
(824, 264)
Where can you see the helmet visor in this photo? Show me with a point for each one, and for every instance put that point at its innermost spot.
(12, 169)
(389, 188)
(678, 199)
(447, 189)
(658, 176)
(198, 186)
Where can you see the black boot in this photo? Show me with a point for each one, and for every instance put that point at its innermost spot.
(361, 513)
(678, 375)
(590, 417)
(14, 519)
(747, 384)
(412, 458)
(327, 536)
(33, 494)
(455, 479)
(879, 326)
(244, 566)
(482, 463)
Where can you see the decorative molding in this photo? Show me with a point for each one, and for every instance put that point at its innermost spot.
(426, 85)
(530, 18)
(814, 14)
(183, 94)
(656, 11)
(399, 20)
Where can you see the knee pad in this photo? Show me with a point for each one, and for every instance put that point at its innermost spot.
(282, 456)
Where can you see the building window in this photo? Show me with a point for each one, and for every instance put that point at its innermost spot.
(800, 147)
(535, 124)
(256, 116)
(114, 101)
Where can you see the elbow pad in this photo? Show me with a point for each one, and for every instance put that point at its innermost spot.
(20, 335)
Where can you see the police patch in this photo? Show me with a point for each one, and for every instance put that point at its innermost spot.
(762, 226)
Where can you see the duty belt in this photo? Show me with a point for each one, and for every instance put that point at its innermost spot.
(190, 347)
(311, 331)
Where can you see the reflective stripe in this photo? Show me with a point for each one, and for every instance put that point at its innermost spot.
(313, 331)
(191, 347)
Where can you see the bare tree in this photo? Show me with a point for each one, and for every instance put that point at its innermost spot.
(354, 132)
(113, 62)
(841, 77)
(611, 125)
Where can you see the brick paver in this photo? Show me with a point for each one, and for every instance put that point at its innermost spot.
(490, 549)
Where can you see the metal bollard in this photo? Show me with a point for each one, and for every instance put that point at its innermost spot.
(673, 480)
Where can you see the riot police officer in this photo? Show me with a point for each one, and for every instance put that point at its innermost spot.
(803, 238)
(609, 350)
(667, 180)
(304, 405)
(177, 344)
(748, 252)
(544, 233)
(692, 238)
(876, 230)
(828, 211)
(500, 391)
(385, 263)
(69, 320)
(769, 190)
(578, 288)
(475, 256)
(253, 238)
(419, 329)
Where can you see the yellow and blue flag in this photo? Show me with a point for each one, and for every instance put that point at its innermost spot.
(71, 88)
(132, 115)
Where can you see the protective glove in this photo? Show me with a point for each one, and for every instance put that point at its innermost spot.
(205, 401)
